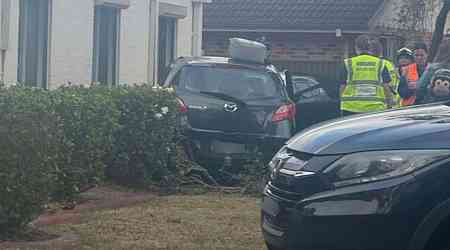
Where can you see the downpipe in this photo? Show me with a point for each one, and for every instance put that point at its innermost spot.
(5, 12)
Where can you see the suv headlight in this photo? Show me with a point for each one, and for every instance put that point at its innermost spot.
(379, 165)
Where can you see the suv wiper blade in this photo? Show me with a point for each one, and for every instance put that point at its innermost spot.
(225, 97)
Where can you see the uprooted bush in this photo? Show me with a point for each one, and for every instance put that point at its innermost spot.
(30, 138)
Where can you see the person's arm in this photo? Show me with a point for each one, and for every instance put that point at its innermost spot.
(422, 85)
(403, 88)
(342, 80)
(388, 94)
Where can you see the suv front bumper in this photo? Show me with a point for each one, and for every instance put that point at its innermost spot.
(373, 216)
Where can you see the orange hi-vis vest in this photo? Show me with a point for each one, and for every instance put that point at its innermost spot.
(412, 75)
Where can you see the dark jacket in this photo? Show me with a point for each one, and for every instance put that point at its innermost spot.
(425, 81)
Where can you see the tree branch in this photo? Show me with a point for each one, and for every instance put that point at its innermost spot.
(438, 33)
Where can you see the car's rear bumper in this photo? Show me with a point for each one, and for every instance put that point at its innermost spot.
(252, 144)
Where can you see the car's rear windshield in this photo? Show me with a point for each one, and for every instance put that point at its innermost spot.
(238, 82)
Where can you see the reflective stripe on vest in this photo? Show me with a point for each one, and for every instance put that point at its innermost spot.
(364, 91)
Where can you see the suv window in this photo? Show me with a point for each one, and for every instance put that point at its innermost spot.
(238, 82)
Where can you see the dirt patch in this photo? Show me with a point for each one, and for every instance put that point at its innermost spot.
(95, 199)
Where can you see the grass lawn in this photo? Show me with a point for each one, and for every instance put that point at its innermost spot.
(209, 221)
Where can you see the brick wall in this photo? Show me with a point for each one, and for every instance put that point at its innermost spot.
(285, 47)
(313, 54)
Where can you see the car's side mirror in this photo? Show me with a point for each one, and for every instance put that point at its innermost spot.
(289, 84)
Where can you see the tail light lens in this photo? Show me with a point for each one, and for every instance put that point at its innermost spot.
(285, 112)
(182, 106)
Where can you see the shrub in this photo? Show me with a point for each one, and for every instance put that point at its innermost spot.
(147, 135)
(53, 143)
(90, 118)
(30, 138)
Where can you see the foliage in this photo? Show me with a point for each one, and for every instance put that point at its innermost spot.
(147, 135)
(90, 118)
(30, 136)
(254, 176)
(55, 143)
(415, 15)
(438, 33)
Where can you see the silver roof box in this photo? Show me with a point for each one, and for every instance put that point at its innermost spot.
(248, 51)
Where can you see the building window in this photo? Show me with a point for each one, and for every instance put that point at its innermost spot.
(106, 45)
(34, 42)
(386, 50)
(167, 45)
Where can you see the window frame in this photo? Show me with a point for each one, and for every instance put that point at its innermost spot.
(113, 46)
(167, 45)
(27, 58)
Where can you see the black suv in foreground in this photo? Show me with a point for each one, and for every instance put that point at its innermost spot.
(378, 181)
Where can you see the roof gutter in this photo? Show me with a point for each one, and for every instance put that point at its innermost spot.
(286, 31)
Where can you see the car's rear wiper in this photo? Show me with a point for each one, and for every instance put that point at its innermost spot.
(225, 97)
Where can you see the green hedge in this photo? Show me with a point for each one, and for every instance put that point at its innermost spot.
(54, 143)
(89, 118)
(30, 137)
(147, 134)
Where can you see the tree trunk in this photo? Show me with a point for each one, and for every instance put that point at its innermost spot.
(438, 33)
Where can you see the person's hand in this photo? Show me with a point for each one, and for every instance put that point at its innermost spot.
(412, 85)
(404, 71)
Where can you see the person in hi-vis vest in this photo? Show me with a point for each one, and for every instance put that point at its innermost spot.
(365, 81)
(378, 50)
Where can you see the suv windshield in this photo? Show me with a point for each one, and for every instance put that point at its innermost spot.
(240, 83)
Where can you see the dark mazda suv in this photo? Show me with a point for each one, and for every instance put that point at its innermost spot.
(375, 181)
(234, 110)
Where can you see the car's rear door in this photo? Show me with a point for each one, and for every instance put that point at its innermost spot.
(313, 103)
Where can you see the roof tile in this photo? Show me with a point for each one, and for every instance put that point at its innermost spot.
(290, 14)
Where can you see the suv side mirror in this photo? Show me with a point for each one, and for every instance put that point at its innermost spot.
(289, 84)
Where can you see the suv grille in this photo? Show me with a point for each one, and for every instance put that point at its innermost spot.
(286, 195)
(295, 188)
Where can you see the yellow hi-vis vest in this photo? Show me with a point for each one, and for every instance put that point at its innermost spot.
(395, 82)
(364, 91)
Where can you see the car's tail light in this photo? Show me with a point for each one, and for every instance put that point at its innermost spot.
(182, 106)
(285, 112)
